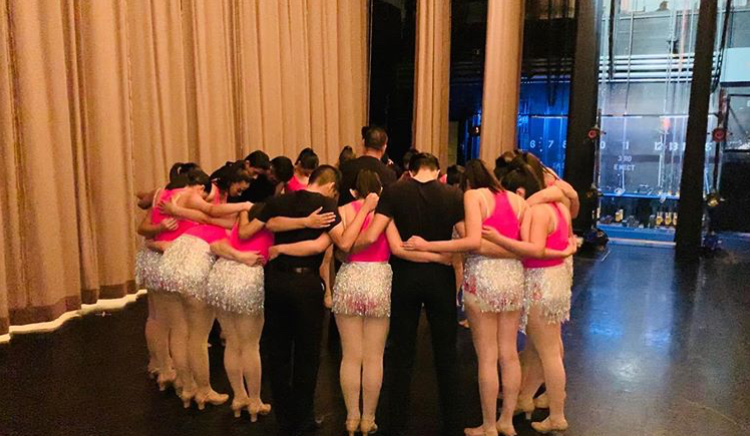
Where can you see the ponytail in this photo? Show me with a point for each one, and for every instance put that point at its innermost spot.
(180, 168)
(193, 177)
(522, 177)
(518, 160)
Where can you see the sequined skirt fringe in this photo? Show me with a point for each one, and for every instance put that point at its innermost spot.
(235, 287)
(147, 269)
(185, 266)
(550, 289)
(495, 285)
(363, 289)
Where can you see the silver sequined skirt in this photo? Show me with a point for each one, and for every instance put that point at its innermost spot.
(569, 265)
(549, 288)
(235, 287)
(496, 285)
(363, 289)
(147, 269)
(185, 266)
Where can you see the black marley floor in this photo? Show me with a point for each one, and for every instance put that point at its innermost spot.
(653, 348)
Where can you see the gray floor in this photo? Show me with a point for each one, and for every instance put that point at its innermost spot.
(653, 348)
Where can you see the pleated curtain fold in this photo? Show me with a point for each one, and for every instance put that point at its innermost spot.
(99, 98)
(430, 124)
(502, 78)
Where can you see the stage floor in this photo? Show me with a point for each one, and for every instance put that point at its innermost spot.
(653, 348)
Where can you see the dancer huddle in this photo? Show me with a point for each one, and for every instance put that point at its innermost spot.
(245, 245)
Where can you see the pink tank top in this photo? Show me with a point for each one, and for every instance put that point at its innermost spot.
(503, 218)
(557, 240)
(379, 251)
(295, 184)
(208, 232)
(157, 217)
(260, 242)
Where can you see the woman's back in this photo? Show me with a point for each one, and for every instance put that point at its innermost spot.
(157, 216)
(557, 239)
(379, 251)
(503, 217)
(260, 242)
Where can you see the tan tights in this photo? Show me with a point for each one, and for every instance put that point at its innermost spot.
(363, 343)
(242, 353)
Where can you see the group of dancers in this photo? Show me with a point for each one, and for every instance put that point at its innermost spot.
(245, 246)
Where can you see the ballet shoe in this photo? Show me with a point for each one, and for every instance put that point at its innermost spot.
(506, 430)
(153, 370)
(525, 407)
(238, 404)
(258, 408)
(211, 397)
(352, 425)
(542, 401)
(186, 395)
(367, 425)
(547, 426)
(166, 379)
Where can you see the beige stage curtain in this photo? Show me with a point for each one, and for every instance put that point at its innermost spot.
(299, 63)
(502, 76)
(99, 98)
(432, 78)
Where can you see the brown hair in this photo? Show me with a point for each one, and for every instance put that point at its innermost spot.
(368, 182)
(476, 175)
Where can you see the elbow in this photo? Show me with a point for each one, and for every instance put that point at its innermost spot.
(474, 244)
(271, 225)
(346, 247)
(321, 248)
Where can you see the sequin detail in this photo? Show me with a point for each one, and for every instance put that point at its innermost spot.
(185, 266)
(568, 262)
(363, 289)
(550, 289)
(235, 287)
(147, 269)
(496, 285)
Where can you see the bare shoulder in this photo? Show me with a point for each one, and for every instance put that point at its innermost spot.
(345, 210)
(565, 211)
(515, 199)
(541, 211)
(473, 194)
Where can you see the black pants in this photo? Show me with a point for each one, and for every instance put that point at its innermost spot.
(294, 322)
(433, 286)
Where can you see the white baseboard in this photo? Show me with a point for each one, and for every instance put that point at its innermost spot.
(86, 309)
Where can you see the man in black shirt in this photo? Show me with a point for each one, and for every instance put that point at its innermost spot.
(294, 294)
(421, 206)
(269, 183)
(375, 141)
